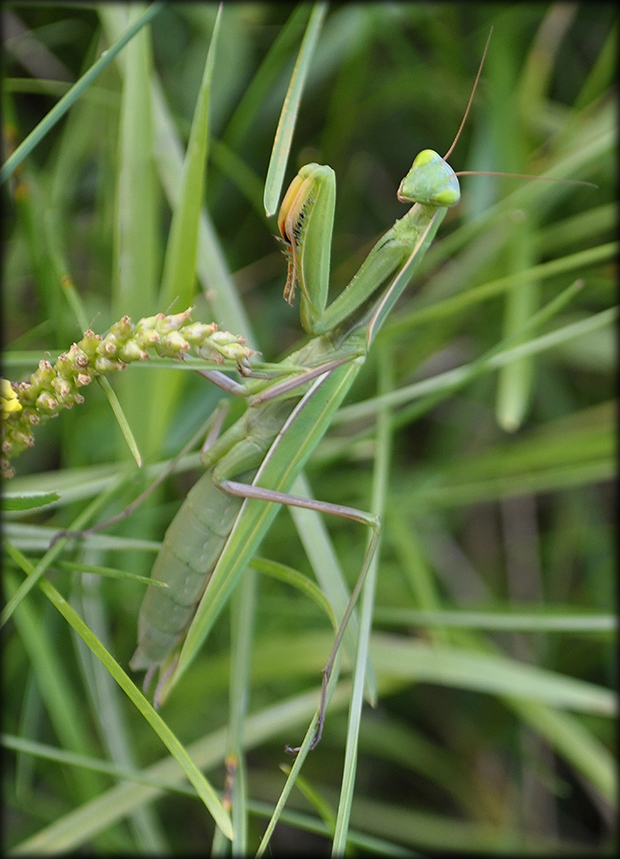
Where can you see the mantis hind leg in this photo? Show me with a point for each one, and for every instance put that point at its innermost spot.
(244, 490)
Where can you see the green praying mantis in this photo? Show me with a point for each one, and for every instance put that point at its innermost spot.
(252, 467)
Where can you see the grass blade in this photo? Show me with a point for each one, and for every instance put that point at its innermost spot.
(70, 97)
(290, 109)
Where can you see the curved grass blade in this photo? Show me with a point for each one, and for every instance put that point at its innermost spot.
(48, 558)
(180, 263)
(76, 827)
(379, 499)
(66, 102)
(290, 108)
(200, 783)
(297, 580)
(179, 275)
(27, 500)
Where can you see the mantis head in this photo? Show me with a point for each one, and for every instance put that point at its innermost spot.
(430, 181)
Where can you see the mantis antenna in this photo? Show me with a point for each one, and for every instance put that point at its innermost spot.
(494, 172)
(471, 98)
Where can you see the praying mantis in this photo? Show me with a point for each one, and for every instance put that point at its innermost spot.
(252, 467)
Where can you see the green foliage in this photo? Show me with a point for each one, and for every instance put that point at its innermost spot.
(492, 648)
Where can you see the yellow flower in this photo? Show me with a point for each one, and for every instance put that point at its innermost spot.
(10, 403)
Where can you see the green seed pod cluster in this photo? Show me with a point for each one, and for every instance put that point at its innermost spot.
(51, 388)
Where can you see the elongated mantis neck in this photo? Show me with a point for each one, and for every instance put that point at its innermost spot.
(434, 216)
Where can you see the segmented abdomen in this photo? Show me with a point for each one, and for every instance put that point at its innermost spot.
(191, 547)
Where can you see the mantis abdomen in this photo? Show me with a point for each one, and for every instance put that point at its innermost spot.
(190, 550)
(196, 536)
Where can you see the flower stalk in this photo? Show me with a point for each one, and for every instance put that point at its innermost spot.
(53, 387)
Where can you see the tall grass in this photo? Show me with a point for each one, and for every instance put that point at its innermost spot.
(487, 398)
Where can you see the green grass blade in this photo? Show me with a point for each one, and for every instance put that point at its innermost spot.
(490, 673)
(121, 418)
(323, 559)
(498, 359)
(78, 826)
(516, 621)
(109, 572)
(571, 263)
(27, 501)
(297, 765)
(245, 113)
(297, 580)
(46, 561)
(67, 101)
(179, 275)
(136, 242)
(379, 497)
(574, 742)
(58, 695)
(290, 109)
(212, 268)
(200, 783)
(242, 615)
(180, 263)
